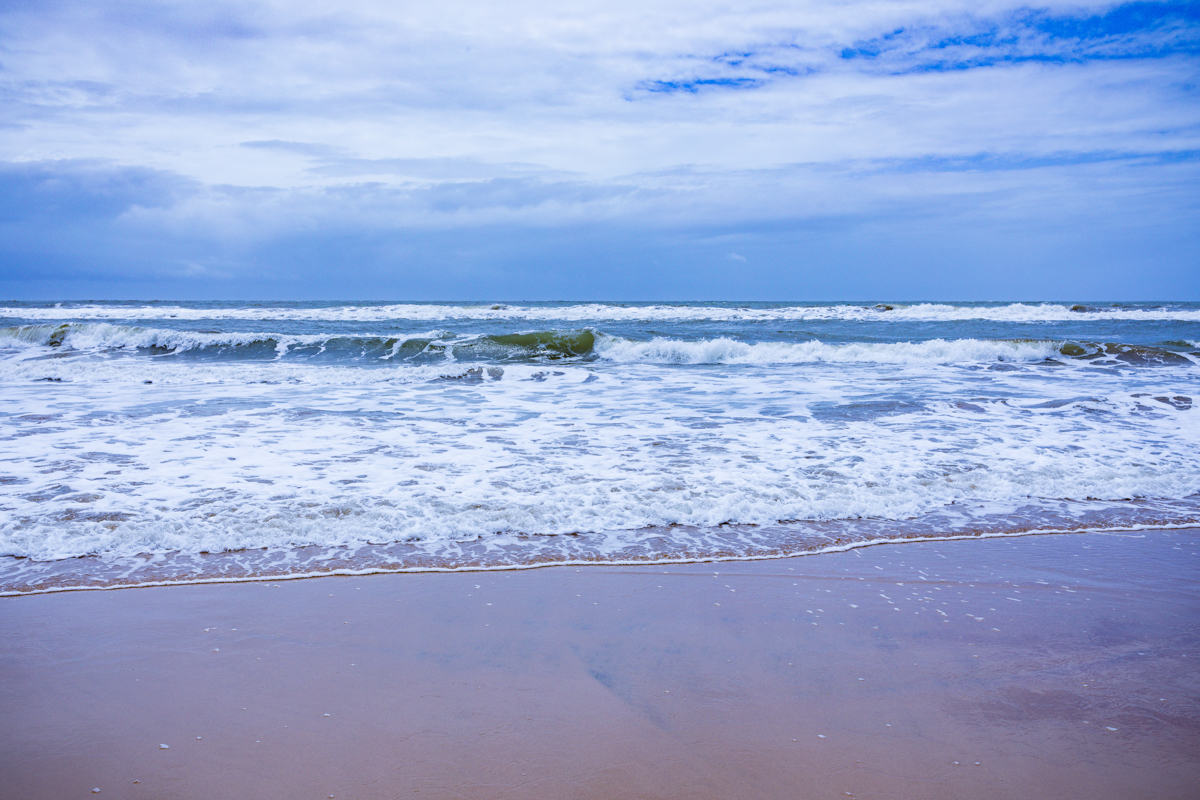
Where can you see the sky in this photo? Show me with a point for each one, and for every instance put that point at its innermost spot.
(658, 149)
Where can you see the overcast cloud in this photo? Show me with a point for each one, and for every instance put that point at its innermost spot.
(645, 150)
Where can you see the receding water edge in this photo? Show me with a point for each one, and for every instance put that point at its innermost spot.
(353, 562)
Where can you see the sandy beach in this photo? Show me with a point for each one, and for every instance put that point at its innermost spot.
(1044, 666)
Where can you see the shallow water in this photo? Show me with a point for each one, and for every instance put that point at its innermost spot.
(199, 441)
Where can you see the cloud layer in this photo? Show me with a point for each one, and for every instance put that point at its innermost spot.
(529, 150)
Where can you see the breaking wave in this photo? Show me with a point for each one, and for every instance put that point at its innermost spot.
(935, 351)
(436, 347)
(104, 337)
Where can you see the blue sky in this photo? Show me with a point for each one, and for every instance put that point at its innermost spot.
(649, 150)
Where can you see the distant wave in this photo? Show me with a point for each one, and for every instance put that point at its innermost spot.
(599, 312)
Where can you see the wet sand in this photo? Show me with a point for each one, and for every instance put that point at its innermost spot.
(1046, 666)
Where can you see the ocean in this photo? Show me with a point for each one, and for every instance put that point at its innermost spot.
(148, 443)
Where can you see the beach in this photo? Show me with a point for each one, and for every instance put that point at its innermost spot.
(1035, 666)
(658, 401)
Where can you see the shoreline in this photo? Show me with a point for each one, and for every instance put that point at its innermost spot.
(1062, 664)
(548, 563)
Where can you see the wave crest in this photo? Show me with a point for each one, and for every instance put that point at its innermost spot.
(934, 351)
(426, 347)
(599, 312)
(433, 347)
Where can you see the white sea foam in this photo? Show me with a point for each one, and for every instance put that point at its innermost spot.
(116, 372)
(119, 438)
(201, 465)
(730, 351)
(599, 312)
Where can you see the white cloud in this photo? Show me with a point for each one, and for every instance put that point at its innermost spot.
(182, 86)
(293, 117)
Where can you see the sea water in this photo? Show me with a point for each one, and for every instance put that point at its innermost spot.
(162, 442)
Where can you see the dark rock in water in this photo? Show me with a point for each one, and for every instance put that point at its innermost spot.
(50, 380)
(147, 381)
(1082, 309)
(883, 307)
